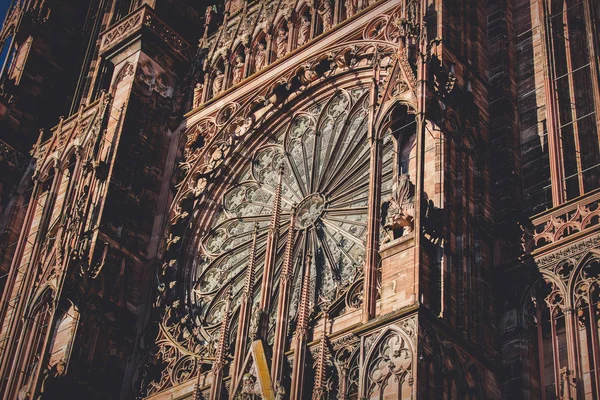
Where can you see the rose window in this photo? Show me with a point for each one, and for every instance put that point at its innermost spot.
(319, 161)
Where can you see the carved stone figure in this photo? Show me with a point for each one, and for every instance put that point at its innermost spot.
(198, 95)
(327, 15)
(304, 33)
(238, 69)
(398, 211)
(567, 384)
(260, 59)
(249, 391)
(217, 85)
(309, 76)
(282, 42)
(350, 8)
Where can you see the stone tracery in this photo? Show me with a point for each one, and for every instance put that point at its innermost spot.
(331, 203)
(330, 190)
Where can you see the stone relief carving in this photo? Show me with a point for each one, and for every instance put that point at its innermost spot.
(217, 85)
(198, 90)
(264, 29)
(326, 13)
(350, 8)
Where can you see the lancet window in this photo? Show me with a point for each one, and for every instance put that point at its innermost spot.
(564, 336)
(572, 58)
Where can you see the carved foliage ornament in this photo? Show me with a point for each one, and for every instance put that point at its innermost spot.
(557, 227)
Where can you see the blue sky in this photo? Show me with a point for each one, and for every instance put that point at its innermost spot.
(3, 6)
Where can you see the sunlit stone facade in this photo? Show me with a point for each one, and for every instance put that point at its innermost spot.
(334, 199)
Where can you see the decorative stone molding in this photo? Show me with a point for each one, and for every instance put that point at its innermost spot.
(573, 251)
(561, 223)
(134, 24)
(123, 29)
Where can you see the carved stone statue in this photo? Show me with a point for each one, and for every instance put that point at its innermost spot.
(567, 384)
(260, 59)
(282, 42)
(249, 390)
(350, 8)
(238, 69)
(198, 95)
(327, 15)
(304, 33)
(217, 85)
(398, 211)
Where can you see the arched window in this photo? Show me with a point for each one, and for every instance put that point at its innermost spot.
(24, 264)
(353, 374)
(551, 335)
(37, 327)
(398, 169)
(586, 298)
(575, 79)
(63, 336)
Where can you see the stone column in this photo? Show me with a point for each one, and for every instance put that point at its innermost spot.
(245, 314)
(373, 218)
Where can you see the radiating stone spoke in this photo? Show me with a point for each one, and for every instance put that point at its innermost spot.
(296, 174)
(358, 189)
(346, 162)
(351, 237)
(345, 211)
(333, 264)
(346, 183)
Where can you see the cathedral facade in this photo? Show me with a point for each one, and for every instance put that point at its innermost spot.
(292, 199)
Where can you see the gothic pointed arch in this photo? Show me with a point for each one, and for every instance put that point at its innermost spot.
(388, 368)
